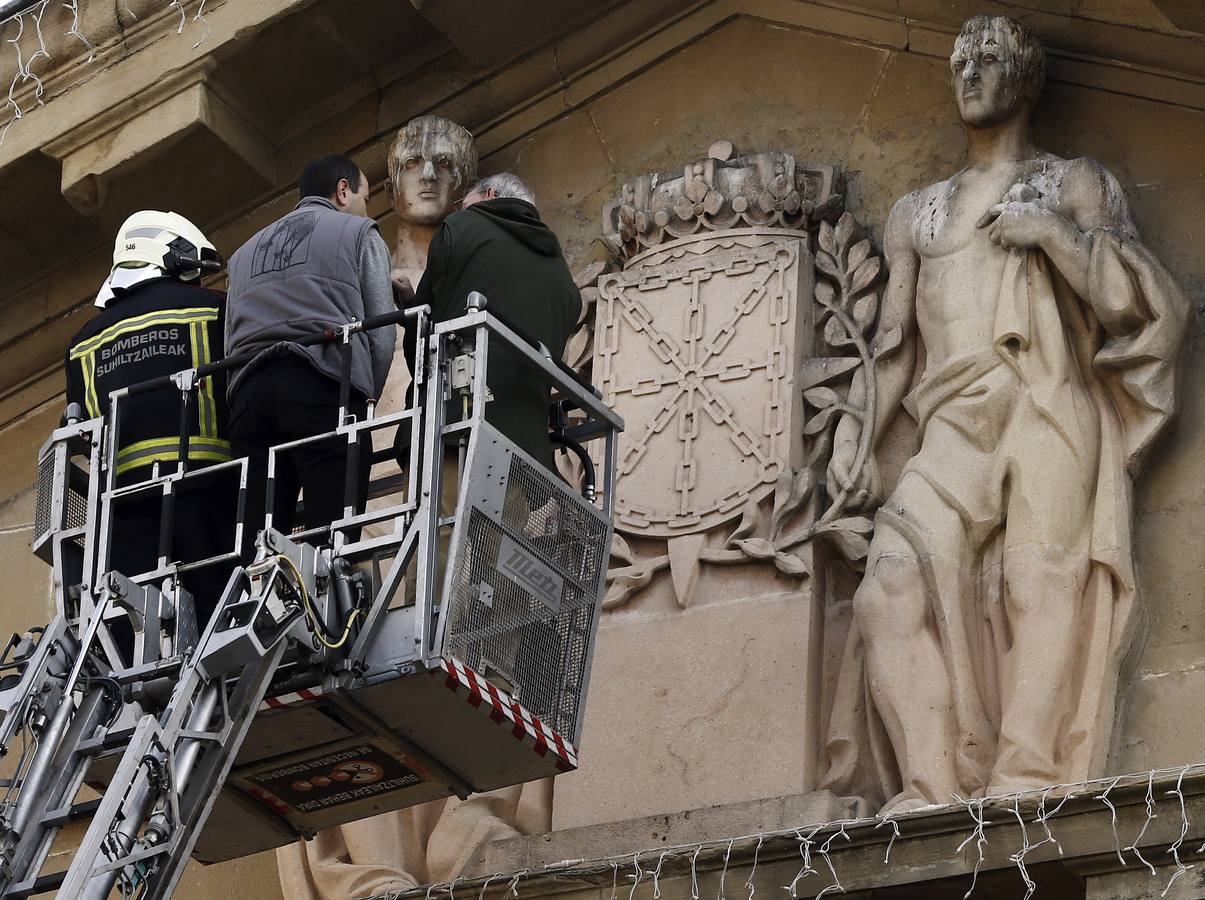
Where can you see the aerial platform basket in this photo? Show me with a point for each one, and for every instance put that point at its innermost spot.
(499, 702)
(348, 670)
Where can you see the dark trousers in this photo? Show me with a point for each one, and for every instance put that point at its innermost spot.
(283, 400)
(203, 527)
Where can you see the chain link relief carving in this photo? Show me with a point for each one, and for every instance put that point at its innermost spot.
(703, 342)
(730, 353)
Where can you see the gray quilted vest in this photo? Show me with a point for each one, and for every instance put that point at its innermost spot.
(297, 277)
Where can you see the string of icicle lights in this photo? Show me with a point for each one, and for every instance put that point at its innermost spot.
(816, 844)
(24, 40)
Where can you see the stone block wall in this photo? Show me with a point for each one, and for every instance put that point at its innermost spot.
(577, 111)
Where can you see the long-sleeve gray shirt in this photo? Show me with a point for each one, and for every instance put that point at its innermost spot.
(377, 290)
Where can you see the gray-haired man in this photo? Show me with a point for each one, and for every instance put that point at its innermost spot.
(497, 245)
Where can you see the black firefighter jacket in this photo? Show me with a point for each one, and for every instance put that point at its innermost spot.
(153, 329)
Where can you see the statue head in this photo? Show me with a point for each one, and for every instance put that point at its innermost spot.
(997, 67)
(431, 162)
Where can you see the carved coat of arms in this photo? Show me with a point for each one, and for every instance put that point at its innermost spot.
(725, 339)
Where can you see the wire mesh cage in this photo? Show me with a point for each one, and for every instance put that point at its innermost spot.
(525, 562)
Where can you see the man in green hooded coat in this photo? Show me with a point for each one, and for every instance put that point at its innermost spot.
(497, 245)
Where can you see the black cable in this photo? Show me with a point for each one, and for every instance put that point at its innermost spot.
(588, 480)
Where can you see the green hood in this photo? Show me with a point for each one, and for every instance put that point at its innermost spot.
(519, 219)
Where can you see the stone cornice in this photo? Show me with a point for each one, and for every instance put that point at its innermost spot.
(864, 854)
(148, 120)
(1116, 57)
(128, 65)
(507, 104)
(72, 62)
(113, 117)
(1113, 68)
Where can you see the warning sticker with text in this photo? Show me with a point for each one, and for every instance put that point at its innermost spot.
(343, 776)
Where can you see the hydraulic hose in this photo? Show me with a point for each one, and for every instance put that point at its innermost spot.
(588, 482)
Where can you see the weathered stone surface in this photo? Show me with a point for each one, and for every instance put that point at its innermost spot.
(94, 152)
(719, 334)
(1145, 885)
(697, 825)
(999, 600)
(647, 85)
(253, 876)
(1183, 14)
(723, 683)
(936, 854)
(31, 605)
(491, 34)
(1152, 730)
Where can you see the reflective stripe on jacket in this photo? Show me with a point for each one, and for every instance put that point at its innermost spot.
(154, 329)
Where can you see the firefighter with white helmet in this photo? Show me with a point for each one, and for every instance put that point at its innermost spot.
(156, 319)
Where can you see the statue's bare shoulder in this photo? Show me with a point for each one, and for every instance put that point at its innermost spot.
(903, 263)
(1083, 191)
(900, 233)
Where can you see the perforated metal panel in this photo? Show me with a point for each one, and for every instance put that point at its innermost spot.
(76, 508)
(61, 501)
(44, 504)
(522, 601)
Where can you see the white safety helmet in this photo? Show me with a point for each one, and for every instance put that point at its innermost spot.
(166, 240)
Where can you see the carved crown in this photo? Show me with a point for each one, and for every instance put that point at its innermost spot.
(722, 191)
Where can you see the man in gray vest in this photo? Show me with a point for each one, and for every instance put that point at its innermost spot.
(317, 268)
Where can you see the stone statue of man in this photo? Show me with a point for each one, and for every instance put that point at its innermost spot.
(432, 161)
(1035, 341)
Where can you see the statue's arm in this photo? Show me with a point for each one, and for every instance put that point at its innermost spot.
(894, 346)
(1091, 199)
(894, 352)
(1068, 248)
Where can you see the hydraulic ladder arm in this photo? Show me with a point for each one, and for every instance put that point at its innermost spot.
(171, 723)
